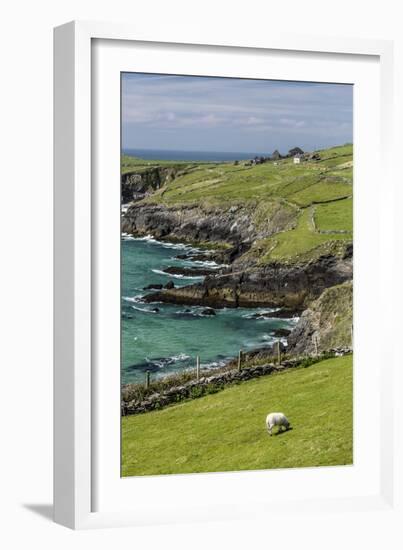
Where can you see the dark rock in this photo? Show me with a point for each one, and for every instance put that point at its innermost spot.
(281, 332)
(154, 286)
(137, 184)
(155, 309)
(169, 285)
(189, 271)
(289, 287)
(285, 313)
(208, 311)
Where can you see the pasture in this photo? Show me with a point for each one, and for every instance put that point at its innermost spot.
(226, 431)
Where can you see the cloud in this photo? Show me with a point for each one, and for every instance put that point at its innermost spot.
(202, 112)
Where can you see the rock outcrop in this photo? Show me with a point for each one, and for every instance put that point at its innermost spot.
(138, 184)
(326, 323)
(189, 224)
(232, 231)
(274, 285)
(234, 226)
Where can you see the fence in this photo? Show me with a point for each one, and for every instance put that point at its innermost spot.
(242, 356)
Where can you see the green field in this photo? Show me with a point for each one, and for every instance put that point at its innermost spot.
(226, 431)
(293, 203)
(301, 184)
(301, 240)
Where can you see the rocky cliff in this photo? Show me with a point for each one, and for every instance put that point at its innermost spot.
(138, 184)
(274, 285)
(232, 224)
(328, 321)
(244, 283)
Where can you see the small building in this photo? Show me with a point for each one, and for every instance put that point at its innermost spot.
(295, 151)
(297, 159)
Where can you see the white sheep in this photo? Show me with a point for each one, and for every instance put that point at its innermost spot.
(277, 419)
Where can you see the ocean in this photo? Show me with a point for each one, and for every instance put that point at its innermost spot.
(168, 340)
(201, 156)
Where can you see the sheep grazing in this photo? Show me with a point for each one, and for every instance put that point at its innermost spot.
(277, 419)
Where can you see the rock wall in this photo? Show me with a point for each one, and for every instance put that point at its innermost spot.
(327, 321)
(214, 383)
(197, 388)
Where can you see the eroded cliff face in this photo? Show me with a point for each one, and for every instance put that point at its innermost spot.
(232, 225)
(243, 282)
(189, 224)
(286, 286)
(136, 185)
(328, 321)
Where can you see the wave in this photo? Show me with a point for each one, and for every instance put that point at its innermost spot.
(200, 263)
(166, 244)
(145, 310)
(162, 362)
(175, 275)
(192, 313)
(259, 315)
(147, 238)
(213, 364)
(136, 299)
(127, 237)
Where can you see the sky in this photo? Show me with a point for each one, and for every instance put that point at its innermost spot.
(233, 115)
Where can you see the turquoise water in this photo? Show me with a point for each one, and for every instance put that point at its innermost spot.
(169, 340)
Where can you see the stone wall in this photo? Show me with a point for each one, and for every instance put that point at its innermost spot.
(217, 382)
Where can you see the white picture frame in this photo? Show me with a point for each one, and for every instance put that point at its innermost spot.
(85, 494)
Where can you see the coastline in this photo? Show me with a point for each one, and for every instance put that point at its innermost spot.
(264, 325)
(278, 254)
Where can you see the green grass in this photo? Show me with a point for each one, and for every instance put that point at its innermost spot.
(335, 216)
(278, 196)
(301, 184)
(226, 431)
(296, 243)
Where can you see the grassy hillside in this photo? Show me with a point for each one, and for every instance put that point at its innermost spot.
(226, 431)
(312, 200)
(323, 180)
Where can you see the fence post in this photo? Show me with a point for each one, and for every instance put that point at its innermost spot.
(147, 379)
(240, 360)
(278, 352)
(352, 337)
(315, 341)
(197, 368)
